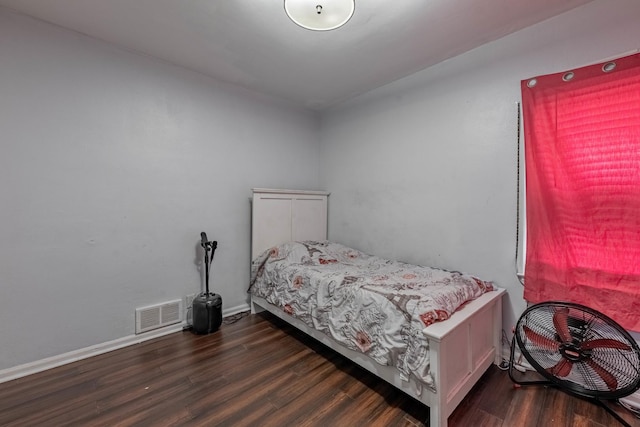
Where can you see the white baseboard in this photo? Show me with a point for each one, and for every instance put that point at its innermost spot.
(83, 353)
(235, 310)
(95, 350)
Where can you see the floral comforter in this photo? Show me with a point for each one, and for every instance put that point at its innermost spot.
(366, 303)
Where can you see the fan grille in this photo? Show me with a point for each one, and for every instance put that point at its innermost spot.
(579, 349)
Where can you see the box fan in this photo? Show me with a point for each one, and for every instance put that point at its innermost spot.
(578, 350)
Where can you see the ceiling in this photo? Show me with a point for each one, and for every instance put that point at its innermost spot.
(253, 44)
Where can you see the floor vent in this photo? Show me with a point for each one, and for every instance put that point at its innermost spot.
(159, 315)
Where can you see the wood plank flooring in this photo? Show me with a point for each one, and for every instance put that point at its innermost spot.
(258, 371)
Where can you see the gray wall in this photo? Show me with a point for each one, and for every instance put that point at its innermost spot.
(424, 169)
(111, 164)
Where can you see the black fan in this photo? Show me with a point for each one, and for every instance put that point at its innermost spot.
(578, 350)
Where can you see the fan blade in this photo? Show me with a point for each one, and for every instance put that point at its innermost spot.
(560, 322)
(562, 368)
(606, 376)
(540, 340)
(604, 343)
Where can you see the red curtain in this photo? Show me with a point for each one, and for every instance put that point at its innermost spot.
(582, 157)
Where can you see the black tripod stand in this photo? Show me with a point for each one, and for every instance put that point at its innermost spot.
(208, 246)
(207, 307)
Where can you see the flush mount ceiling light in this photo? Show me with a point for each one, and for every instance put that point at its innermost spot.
(320, 15)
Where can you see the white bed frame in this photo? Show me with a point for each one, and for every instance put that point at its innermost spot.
(461, 348)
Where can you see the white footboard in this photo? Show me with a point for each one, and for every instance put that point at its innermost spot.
(461, 350)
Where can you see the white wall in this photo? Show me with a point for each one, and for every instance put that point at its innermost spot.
(111, 164)
(424, 169)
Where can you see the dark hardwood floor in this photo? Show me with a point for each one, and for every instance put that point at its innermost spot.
(260, 372)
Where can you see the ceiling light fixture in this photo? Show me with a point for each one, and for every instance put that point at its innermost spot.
(320, 15)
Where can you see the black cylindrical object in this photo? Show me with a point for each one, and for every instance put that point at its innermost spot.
(207, 313)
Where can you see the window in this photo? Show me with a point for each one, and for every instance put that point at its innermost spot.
(582, 157)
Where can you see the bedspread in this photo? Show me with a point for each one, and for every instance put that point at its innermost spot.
(368, 304)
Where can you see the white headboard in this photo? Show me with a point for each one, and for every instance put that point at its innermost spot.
(280, 216)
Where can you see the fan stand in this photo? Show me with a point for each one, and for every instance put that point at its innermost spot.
(519, 383)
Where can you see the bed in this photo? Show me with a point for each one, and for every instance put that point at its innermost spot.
(438, 364)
